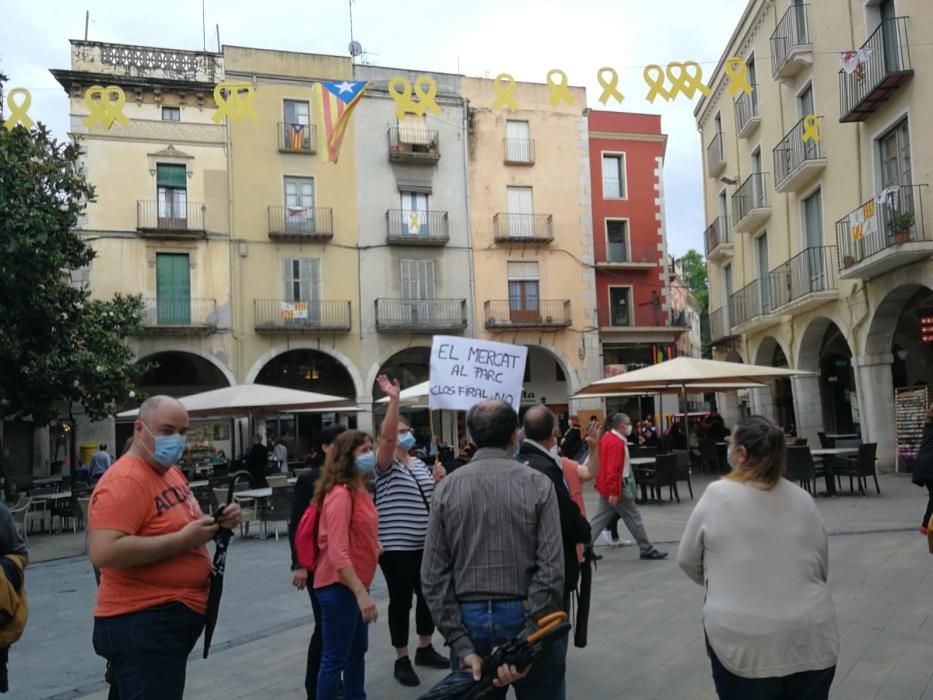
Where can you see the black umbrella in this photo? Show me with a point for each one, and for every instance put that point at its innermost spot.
(582, 624)
(519, 652)
(221, 543)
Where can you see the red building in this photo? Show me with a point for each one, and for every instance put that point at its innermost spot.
(632, 280)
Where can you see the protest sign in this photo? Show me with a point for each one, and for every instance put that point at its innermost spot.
(465, 371)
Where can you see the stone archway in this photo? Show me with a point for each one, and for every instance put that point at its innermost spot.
(181, 373)
(777, 401)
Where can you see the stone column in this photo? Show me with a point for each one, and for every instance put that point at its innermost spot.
(728, 404)
(763, 402)
(875, 388)
(808, 408)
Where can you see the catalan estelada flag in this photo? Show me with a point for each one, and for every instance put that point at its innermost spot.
(296, 136)
(336, 102)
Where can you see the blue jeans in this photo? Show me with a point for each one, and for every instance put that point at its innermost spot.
(149, 649)
(346, 638)
(493, 623)
(806, 685)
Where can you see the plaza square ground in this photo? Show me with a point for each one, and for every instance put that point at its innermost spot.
(646, 639)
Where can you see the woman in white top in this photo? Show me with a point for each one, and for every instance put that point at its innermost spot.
(756, 542)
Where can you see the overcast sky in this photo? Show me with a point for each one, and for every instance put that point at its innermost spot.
(480, 38)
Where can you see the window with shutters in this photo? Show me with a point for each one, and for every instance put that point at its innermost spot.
(297, 124)
(417, 290)
(517, 142)
(303, 286)
(413, 131)
(173, 289)
(524, 297)
(172, 184)
(521, 212)
(614, 176)
(415, 214)
(299, 205)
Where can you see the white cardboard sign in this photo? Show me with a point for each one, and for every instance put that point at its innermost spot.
(465, 371)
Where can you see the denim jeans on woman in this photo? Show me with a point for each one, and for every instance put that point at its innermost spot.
(492, 623)
(345, 638)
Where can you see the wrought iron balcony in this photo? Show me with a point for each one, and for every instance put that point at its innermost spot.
(155, 218)
(751, 307)
(297, 138)
(506, 315)
(715, 159)
(179, 315)
(301, 223)
(805, 281)
(796, 162)
(791, 49)
(413, 145)
(746, 112)
(424, 228)
(519, 151)
(885, 233)
(279, 316)
(632, 255)
(719, 327)
(750, 208)
(523, 228)
(718, 237)
(421, 315)
(886, 66)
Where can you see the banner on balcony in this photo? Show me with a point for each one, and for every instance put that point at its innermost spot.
(294, 309)
(863, 221)
(465, 371)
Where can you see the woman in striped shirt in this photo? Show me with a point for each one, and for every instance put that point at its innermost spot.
(404, 486)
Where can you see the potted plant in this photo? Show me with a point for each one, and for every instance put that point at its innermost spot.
(902, 224)
(848, 261)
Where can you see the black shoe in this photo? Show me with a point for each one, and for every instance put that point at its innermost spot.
(405, 674)
(654, 554)
(427, 656)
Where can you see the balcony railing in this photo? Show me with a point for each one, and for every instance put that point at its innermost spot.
(717, 234)
(277, 315)
(882, 225)
(295, 223)
(297, 138)
(420, 315)
(750, 202)
(886, 66)
(405, 227)
(746, 112)
(795, 161)
(812, 271)
(752, 301)
(715, 160)
(413, 145)
(179, 314)
(523, 228)
(719, 326)
(641, 254)
(791, 38)
(504, 315)
(519, 151)
(169, 217)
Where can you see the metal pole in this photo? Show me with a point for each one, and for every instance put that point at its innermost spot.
(203, 27)
(87, 19)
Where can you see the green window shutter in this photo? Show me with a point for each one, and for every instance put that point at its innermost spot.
(173, 176)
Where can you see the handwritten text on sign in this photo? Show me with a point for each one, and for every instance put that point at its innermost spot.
(465, 371)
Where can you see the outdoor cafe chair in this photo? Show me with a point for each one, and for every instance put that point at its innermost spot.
(20, 512)
(277, 509)
(38, 510)
(861, 468)
(801, 468)
(825, 442)
(660, 477)
(249, 509)
(682, 472)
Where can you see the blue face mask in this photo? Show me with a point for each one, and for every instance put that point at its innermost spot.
(407, 441)
(365, 463)
(168, 448)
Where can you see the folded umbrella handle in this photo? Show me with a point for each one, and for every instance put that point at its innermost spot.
(547, 624)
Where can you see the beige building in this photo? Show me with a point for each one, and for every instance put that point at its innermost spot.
(819, 250)
(532, 236)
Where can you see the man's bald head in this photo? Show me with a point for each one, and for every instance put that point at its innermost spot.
(539, 423)
(492, 423)
(158, 415)
(154, 405)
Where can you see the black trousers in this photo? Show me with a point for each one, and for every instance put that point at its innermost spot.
(926, 516)
(314, 646)
(402, 571)
(614, 526)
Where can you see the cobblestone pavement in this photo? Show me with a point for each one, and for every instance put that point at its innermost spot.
(645, 631)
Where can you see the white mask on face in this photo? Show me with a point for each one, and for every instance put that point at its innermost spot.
(628, 430)
(554, 452)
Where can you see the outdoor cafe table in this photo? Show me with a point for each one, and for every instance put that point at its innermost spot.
(641, 461)
(261, 493)
(829, 455)
(198, 484)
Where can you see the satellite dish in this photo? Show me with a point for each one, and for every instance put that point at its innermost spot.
(355, 48)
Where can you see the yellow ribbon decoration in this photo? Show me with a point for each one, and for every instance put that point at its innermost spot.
(811, 128)
(684, 80)
(103, 110)
(609, 86)
(18, 111)
(559, 90)
(234, 105)
(737, 72)
(654, 77)
(400, 89)
(427, 98)
(505, 92)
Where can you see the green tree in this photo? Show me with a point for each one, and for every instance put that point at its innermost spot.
(58, 347)
(695, 277)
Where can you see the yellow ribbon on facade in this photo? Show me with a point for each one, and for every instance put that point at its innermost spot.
(737, 72)
(811, 128)
(559, 91)
(505, 92)
(686, 78)
(18, 112)
(654, 77)
(400, 89)
(401, 92)
(609, 86)
(427, 98)
(234, 105)
(104, 110)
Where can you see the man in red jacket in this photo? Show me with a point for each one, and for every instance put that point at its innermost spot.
(616, 486)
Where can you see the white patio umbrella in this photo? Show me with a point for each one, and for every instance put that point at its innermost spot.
(414, 396)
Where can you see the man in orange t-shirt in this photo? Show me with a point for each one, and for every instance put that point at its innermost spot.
(147, 535)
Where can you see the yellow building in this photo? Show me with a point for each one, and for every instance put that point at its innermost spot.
(819, 250)
(532, 236)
